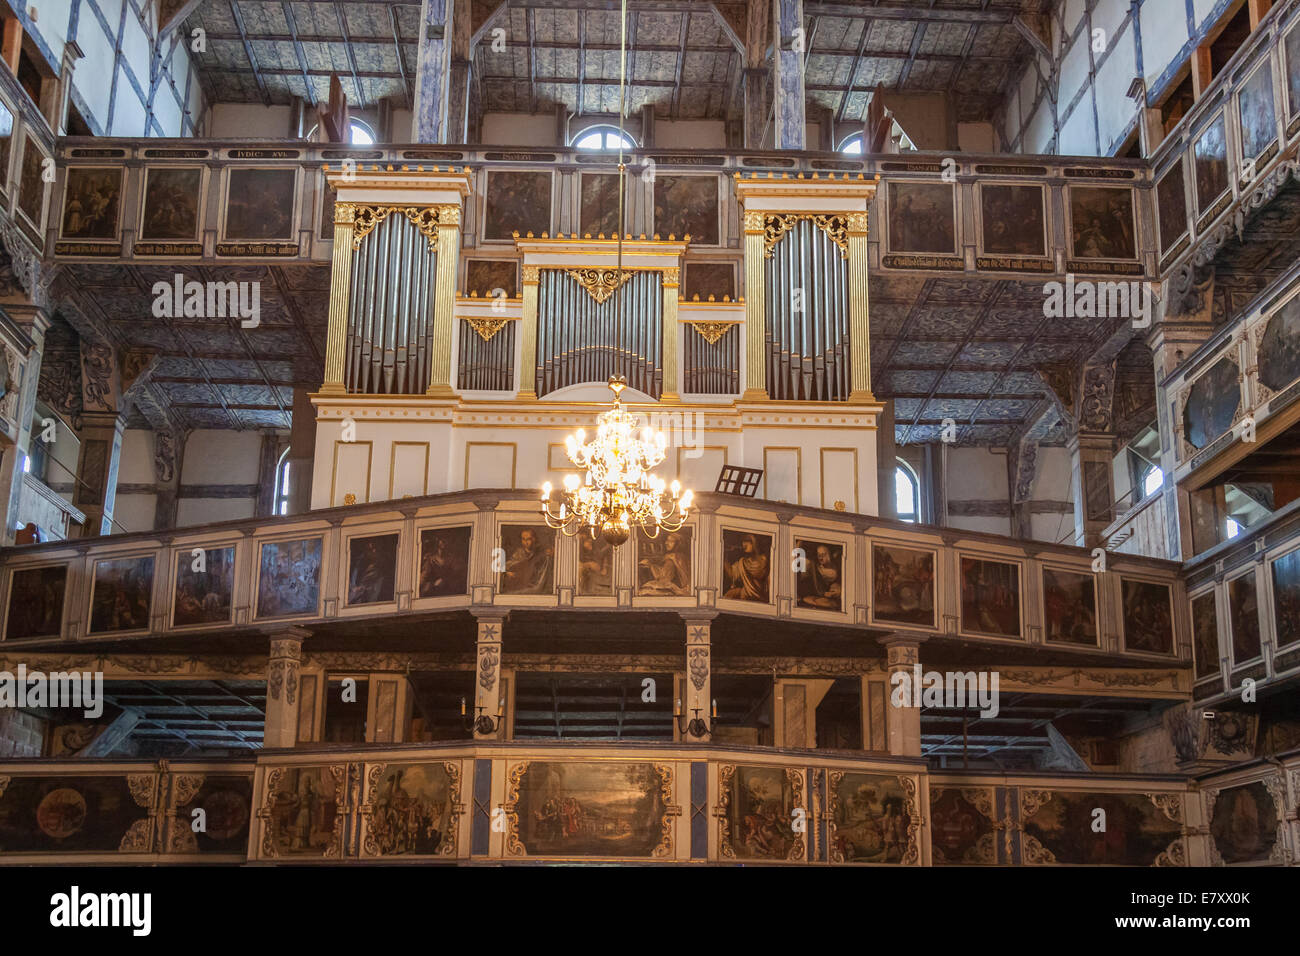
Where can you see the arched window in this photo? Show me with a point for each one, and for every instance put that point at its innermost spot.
(602, 137)
(359, 133)
(280, 501)
(1153, 479)
(907, 491)
(852, 145)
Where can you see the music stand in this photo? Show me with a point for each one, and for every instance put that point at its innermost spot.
(739, 480)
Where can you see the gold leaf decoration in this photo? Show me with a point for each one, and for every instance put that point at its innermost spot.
(776, 225)
(426, 220)
(837, 229)
(486, 328)
(712, 331)
(774, 229)
(368, 218)
(599, 283)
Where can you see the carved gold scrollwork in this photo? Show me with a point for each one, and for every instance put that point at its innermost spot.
(774, 229)
(426, 220)
(776, 225)
(599, 283)
(368, 218)
(836, 229)
(712, 331)
(486, 328)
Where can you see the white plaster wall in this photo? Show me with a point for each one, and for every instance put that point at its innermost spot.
(518, 129)
(1164, 31)
(248, 121)
(690, 134)
(221, 457)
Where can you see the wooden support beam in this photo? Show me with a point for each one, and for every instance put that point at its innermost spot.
(248, 52)
(1258, 11)
(12, 44)
(1202, 68)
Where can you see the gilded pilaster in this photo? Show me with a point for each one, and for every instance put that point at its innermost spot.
(755, 318)
(528, 327)
(672, 290)
(444, 301)
(859, 312)
(340, 286)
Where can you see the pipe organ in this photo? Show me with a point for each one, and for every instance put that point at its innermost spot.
(711, 359)
(486, 359)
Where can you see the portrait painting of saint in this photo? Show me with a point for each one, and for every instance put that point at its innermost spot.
(760, 814)
(91, 202)
(1171, 200)
(990, 597)
(1148, 617)
(289, 578)
(746, 566)
(1243, 610)
(303, 812)
(123, 594)
(687, 206)
(259, 204)
(1101, 223)
(599, 205)
(486, 276)
(31, 184)
(444, 562)
(1212, 404)
(819, 584)
(372, 569)
(530, 559)
(1211, 162)
(663, 566)
(922, 218)
(171, 203)
(204, 585)
(579, 809)
(1258, 113)
(1286, 598)
(1205, 634)
(1244, 823)
(595, 565)
(1013, 220)
(517, 201)
(710, 279)
(411, 812)
(36, 602)
(870, 822)
(1279, 348)
(1069, 607)
(903, 585)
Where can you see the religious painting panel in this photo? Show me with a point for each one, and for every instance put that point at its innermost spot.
(372, 569)
(411, 809)
(1286, 598)
(92, 202)
(1171, 202)
(1101, 223)
(171, 203)
(31, 183)
(1278, 353)
(444, 562)
(226, 802)
(301, 812)
(598, 205)
(709, 282)
(122, 594)
(687, 206)
(962, 829)
(36, 602)
(6, 145)
(288, 580)
(595, 566)
(756, 816)
(1069, 607)
(922, 218)
(1212, 404)
(530, 559)
(1258, 115)
(873, 818)
(1148, 616)
(902, 585)
(83, 814)
(746, 566)
(1243, 616)
(484, 277)
(1013, 220)
(1244, 825)
(1293, 73)
(205, 585)
(1205, 634)
(1210, 153)
(990, 597)
(819, 575)
(517, 202)
(1141, 829)
(573, 809)
(328, 197)
(663, 567)
(260, 204)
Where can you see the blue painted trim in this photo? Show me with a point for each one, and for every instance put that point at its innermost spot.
(33, 33)
(118, 64)
(84, 110)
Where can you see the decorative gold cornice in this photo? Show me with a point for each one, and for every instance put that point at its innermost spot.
(712, 331)
(486, 328)
(599, 283)
(776, 225)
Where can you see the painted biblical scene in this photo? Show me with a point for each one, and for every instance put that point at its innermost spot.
(687, 206)
(1205, 634)
(225, 802)
(1148, 617)
(517, 201)
(1286, 598)
(444, 562)
(1211, 162)
(990, 597)
(922, 218)
(328, 197)
(710, 281)
(303, 812)
(869, 819)
(486, 276)
(1013, 220)
(259, 204)
(289, 578)
(530, 559)
(62, 814)
(1258, 114)
(6, 145)
(758, 821)
(595, 566)
(1212, 404)
(1279, 348)
(36, 602)
(903, 585)
(961, 833)
(372, 569)
(746, 566)
(1069, 607)
(92, 202)
(575, 809)
(1171, 198)
(663, 567)
(820, 582)
(599, 205)
(1137, 833)
(1243, 613)
(411, 812)
(171, 204)
(1243, 824)
(31, 185)
(1101, 223)
(205, 585)
(123, 594)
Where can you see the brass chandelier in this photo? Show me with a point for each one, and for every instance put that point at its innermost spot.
(620, 491)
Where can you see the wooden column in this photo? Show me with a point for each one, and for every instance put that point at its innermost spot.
(345, 215)
(528, 331)
(755, 306)
(444, 302)
(789, 46)
(903, 719)
(699, 677)
(12, 44)
(282, 686)
(672, 289)
(487, 674)
(859, 311)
